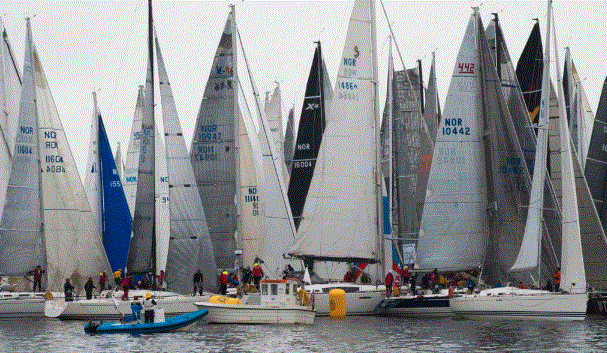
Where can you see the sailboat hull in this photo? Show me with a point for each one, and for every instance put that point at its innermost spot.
(360, 299)
(522, 304)
(22, 304)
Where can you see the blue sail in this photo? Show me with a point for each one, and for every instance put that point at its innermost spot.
(117, 222)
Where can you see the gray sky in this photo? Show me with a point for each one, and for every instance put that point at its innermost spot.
(85, 45)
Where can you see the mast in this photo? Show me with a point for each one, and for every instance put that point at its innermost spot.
(378, 191)
(237, 127)
(390, 98)
(153, 154)
(100, 172)
(421, 86)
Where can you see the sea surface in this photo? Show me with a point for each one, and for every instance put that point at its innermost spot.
(352, 334)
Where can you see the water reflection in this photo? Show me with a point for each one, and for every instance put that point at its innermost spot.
(353, 334)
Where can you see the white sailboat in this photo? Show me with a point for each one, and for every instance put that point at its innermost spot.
(530, 303)
(341, 212)
(47, 218)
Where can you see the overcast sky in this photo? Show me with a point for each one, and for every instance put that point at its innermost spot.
(86, 45)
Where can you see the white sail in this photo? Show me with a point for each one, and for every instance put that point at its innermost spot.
(279, 227)
(453, 226)
(586, 116)
(273, 110)
(10, 88)
(92, 179)
(163, 203)
(190, 247)
(131, 167)
(340, 217)
(529, 254)
(73, 246)
(573, 276)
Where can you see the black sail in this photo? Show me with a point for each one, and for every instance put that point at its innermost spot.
(309, 135)
(596, 164)
(529, 72)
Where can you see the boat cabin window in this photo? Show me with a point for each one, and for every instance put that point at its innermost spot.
(287, 288)
(264, 289)
(274, 289)
(295, 289)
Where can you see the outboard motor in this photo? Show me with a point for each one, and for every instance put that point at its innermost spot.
(91, 327)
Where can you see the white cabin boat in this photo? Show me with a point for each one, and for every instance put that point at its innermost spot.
(279, 303)
(515, 303)
(361, 299)
(109, 305)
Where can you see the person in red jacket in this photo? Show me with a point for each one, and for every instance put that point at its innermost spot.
(257, 274)
(37, 272)
(223, 280)
(102, 280)
(126, 284)
(557, 279)
(389, 282)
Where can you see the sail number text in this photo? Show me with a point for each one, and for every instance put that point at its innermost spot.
(205, 153)
(454, 127)
(53, 168)
(209, 133)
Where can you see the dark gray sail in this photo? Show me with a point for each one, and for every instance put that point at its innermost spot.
(213, 152)
(432, 104)
(412, 149)
(596, 164)
(519, 121)
(142, 252)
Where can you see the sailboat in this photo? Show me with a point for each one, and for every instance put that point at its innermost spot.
(341, 217)
(533, 303)
(106, 196)
(47, 218)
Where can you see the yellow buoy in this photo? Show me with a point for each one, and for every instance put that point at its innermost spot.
(218, 299)
(337, 303)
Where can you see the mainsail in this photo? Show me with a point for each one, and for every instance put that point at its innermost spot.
(10, 88)
(190, 247)
(273, 111)
(453, 225)
(341, 215)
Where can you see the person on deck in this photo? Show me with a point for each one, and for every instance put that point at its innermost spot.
(160, 279)
(102, 280)
(233, 280)
(149, 305)
(88, 288)
(68, 290)
(257, 274)
(126, 284)
(37, 272)
(349, 276)
(522, 285)
(557, 279)
(136, 308)
(389, 282)
(118, 278)
(223, 281)
(406, 274)
(198, 281)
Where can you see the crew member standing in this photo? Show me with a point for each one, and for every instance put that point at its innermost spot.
(148, 305)
(37, 272)
(557, 279)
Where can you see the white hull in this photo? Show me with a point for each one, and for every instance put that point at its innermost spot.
(22, 304)
(521, 304)
(104, 308)
(360, 299)
(257, 314)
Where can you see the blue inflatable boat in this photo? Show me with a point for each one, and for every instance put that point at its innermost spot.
(170, 324)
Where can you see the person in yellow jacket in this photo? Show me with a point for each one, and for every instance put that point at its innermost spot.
(118, 278)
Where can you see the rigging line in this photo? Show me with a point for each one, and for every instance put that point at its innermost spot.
(126, 46)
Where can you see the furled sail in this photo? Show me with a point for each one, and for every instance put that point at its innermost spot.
(289, 141)
(432, 104)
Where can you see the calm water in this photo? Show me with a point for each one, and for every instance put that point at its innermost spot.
(354, 334)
